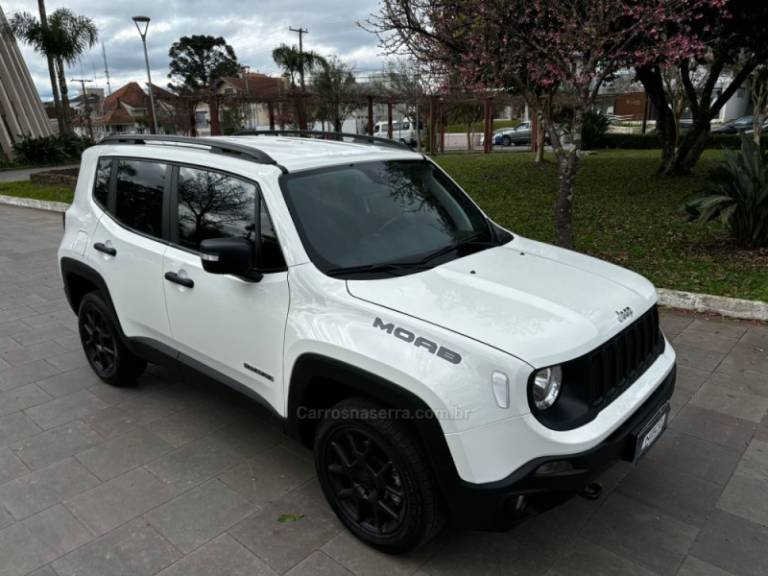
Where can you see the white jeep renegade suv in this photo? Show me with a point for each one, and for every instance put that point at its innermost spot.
(440, 367)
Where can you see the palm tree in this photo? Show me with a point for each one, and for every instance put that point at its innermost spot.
(63, 39)
(293, 61)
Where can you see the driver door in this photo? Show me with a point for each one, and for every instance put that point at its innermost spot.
(232, 325)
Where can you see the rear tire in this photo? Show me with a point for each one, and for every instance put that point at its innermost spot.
(376, 477)
(100, 336)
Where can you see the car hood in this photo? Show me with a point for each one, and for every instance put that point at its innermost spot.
(537, 302)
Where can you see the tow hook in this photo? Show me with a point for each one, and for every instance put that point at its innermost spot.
(592, 491)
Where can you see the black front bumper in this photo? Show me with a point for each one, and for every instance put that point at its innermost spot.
(526, 492)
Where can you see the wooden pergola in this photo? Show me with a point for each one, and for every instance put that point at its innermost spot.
(436, 105)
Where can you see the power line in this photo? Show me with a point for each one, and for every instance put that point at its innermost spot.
(106, 69)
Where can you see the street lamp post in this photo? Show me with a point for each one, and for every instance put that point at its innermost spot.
(142, 25)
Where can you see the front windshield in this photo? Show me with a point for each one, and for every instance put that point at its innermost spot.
(376, 213)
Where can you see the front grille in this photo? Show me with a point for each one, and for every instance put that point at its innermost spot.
(595, 379)
(615, 365)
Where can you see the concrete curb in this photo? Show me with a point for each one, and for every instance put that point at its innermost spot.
(34, 203)
(729, 307)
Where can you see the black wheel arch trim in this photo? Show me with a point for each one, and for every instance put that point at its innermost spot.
(309, 367)
(71, 267)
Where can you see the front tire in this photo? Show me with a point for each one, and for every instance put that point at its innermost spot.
(108, 356)
(506, 141)
(376, 478)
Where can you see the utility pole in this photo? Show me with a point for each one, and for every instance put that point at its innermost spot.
(245, 70)
(106, 69)
(86, 103)
(300, 32)
(300, 97)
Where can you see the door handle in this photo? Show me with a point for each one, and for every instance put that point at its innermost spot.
(101, 247)
(176, 279)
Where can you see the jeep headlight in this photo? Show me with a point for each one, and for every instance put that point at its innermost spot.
(547, 383)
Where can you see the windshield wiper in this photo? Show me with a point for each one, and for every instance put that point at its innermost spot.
(469, 241)
(410, 266)
(374, 268)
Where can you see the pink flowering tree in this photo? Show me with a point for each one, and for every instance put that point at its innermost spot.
(556, 54)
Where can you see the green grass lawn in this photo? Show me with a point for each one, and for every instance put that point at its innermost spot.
(27, 189)
(623, 213)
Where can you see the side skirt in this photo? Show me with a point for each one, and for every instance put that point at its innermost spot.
(193, 371)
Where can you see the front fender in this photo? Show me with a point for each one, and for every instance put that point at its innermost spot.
(326, 320)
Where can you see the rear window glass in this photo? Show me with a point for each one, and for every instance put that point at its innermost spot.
(139, 195)
(101, 184)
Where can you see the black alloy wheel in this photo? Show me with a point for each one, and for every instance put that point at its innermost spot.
(98, 342)
(104, 348)
(376, 477)
(367, 483)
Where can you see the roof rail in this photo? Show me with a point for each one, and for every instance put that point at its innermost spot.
(216, 146)
(338, 136)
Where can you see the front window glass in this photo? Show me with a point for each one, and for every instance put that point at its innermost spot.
(214, 205)
(374, 213)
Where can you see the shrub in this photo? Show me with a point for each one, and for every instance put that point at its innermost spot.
(651, 140)
(594, 130)
(51, 149)
(737, 195)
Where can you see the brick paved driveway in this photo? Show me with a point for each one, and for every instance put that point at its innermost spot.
(167, 479)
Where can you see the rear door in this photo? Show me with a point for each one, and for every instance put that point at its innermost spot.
(128, 247)
(233, 325)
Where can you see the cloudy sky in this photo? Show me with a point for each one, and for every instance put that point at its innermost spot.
(252, 27)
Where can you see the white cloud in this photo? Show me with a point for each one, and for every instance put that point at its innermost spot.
(253, 28)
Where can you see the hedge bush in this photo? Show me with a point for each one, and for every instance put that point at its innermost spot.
(651, 141)
(51, 149)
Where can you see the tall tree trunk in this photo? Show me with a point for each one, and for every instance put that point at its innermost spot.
(192, 118)
(51, 69)
(691, 147)
(539, 151)
(567, 165)
(759, 100)
(213, 110)
(666, 129)
(680, 156)
(64, 96)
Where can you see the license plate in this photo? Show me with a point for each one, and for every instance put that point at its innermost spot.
(651, 432)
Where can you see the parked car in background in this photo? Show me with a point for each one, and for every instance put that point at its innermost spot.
(764, 128)
(740, 124)
(520, 134)
(402, 131)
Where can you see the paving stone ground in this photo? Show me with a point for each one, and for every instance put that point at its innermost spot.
(176, 480)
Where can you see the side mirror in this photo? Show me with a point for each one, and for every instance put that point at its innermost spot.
(229, 256)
